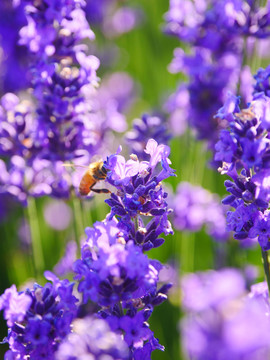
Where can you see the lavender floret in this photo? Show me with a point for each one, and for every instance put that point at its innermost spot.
(39, 318)
(262, 81)
(148, 127)
(117, 270)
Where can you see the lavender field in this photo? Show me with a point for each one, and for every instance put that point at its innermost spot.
(134, 179)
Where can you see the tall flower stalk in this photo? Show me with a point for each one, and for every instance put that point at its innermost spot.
(64, 119)
(243, 149)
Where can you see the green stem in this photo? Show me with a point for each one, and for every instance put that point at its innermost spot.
(78, 220)
(187, 252)
(121, 308)
(38, 258)
(100, 206)
(136, 223)
(243, 63)
(87, 214)
(266, 267)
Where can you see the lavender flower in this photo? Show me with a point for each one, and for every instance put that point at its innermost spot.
(39, 318)
(200, 22)
(135, 328)
(42, 178)
(15, 305)
(59, 130)
(17, 127)
(140, 193)
(72, 117)
(117, 270)
(221, 320)
(211, 289)
(260, 291)
(244, 149)
(216, 30)
(148, 127)
(115, 274)
(53, 35)
(195, 207)
(262, 81)
(92, 338)
(209, 80)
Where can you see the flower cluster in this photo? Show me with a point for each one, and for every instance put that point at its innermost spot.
(148, 127)
(60, 72)
(140, 194)
(195, 207)
(17, 128)
(92, 339)
(38, 319)
(35, 138)
(216, 30)
(114, 273)
(19, 180)
(116, 270)
(209, 81)
(113, 270)
(117, 281)
(199, 21)
(67, 118)
(244, 151)
(219, 312)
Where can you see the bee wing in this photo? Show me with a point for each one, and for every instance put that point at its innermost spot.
(95, 158)
(75, 166)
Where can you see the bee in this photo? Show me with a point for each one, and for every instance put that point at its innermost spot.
(94, 173)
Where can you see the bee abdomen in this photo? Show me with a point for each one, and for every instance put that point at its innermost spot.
(86, 183)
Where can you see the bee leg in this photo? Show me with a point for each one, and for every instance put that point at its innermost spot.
(101, 191)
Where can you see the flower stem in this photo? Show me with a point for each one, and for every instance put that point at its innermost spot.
(38, 258)
(87, 214)
(121, 308)
(78, 220)
(187, 252)
(266, 267)
(136, 221)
